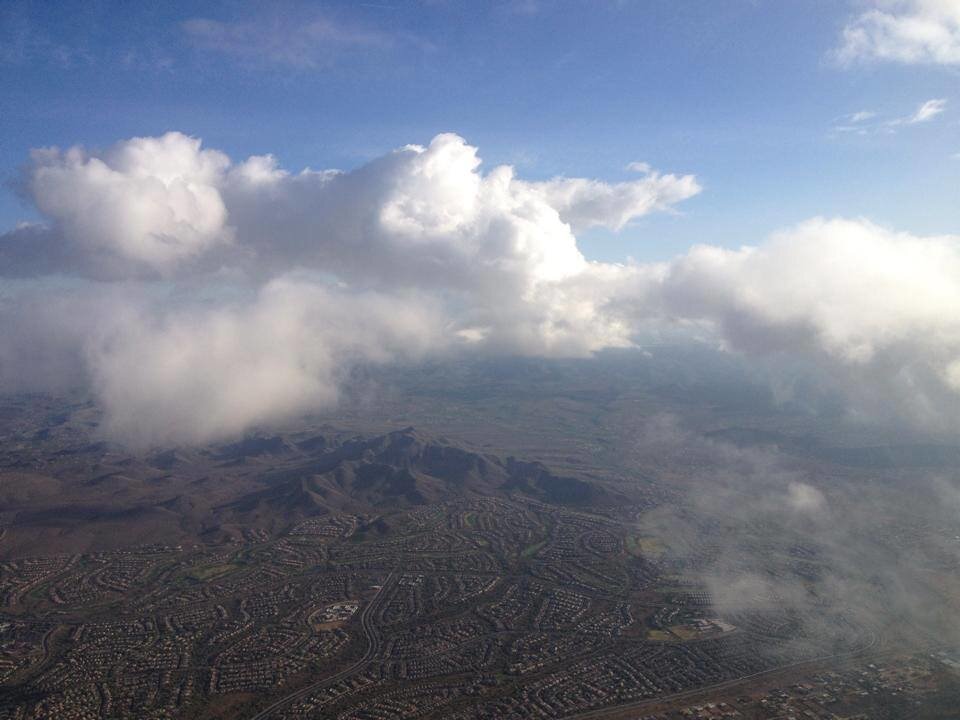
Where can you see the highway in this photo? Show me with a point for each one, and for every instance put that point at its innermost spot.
(693, 692)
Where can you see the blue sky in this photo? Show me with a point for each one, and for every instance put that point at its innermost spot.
(170, 280)
(746, 95)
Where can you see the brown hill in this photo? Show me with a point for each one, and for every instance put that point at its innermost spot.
(95, 498)
(401, 469)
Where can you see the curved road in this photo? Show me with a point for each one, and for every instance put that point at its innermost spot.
(373, 647)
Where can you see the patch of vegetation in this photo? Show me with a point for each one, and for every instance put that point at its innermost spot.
(532, 550)
(205, 573)
(640, 546)
(685, 632)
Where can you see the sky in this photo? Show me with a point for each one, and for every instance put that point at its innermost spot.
(212, 214)
(748, 95)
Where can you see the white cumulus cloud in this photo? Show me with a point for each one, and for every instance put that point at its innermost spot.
(904, 31)
(149, 202)
(199, 297)
(877, 308)
(292, 40)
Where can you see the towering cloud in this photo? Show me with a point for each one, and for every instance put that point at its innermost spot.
(211, 296)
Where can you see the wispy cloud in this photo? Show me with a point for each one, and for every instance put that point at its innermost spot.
(24, 40)
(866, 122)
(523, 7)
(861, 116)
(296, 42)
(927, 111)
(639, 167)
(855, 123)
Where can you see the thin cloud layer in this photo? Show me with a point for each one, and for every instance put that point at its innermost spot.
(208, 372)
(212, 296)
(301, 43)
(904, 31)
(762, 531)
